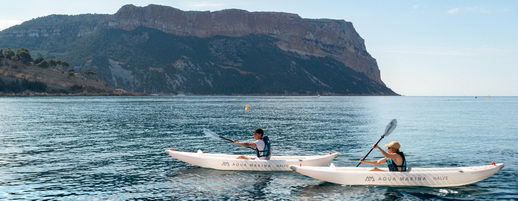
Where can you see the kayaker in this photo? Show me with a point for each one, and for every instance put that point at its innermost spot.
(261, 146)
(393, 157)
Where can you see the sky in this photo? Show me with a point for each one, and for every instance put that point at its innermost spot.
(423, 48)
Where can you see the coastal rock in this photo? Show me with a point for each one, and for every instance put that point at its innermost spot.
(319, 37)
(164, 50)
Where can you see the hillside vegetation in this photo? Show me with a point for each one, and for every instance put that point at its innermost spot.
(20, 74)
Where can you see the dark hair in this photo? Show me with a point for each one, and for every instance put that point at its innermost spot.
(260, 131)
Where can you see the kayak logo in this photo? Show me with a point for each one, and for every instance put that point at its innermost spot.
(225, 164)
(404, 179)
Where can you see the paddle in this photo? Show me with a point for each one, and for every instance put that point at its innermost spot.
(390, 127)
(211, 134)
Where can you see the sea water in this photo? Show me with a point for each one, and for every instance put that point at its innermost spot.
(112, 148)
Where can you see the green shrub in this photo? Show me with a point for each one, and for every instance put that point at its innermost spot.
(38, 61)
(9, 53)
(44, 64)
(24, 56)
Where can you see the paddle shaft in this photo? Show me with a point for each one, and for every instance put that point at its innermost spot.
(225, 138)
(370, 151)
(230, 140)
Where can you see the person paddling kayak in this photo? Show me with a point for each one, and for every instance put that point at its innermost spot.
(393, 157)
(261, 146)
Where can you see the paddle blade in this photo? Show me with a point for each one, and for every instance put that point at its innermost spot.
(390, 127)
(213, 135)
(210, 134)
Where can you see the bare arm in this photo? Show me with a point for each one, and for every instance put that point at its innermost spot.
(245, 144)
(380, 161)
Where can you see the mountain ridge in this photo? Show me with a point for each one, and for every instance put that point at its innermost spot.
(317, 37)
(109, 44)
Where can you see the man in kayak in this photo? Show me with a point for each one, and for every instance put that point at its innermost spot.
(261, 146)
(393, 157)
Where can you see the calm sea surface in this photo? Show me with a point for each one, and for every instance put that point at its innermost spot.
(112, 148)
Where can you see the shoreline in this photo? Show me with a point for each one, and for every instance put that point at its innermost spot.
(29, 94)
(40, 94)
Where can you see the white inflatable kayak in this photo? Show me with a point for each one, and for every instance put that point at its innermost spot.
(230, 162)
(432, 177)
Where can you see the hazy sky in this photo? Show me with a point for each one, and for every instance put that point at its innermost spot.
(435, 47)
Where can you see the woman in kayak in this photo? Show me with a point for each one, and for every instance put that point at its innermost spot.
(393, 157)
(261, 145)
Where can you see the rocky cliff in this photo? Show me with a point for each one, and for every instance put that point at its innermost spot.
(319, 37)
(160, 49)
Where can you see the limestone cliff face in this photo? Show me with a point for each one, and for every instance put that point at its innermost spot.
(317, 37)
(160, 49)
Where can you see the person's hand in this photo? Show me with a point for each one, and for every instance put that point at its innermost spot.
(375, 146)
(362, 161)
(234, 141)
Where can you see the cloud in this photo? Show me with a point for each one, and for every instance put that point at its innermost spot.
(479, 10)
(453, 11)
(4, 24)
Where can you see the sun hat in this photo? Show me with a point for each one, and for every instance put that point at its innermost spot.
(394, 145)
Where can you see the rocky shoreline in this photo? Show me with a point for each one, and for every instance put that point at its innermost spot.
(31, 93)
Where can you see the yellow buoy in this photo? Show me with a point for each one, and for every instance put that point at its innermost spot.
(247, 107)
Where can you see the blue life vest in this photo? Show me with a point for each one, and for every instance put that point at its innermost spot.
(392, 165)
(267, 149)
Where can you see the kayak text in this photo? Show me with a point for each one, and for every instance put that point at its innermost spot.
(404, 179)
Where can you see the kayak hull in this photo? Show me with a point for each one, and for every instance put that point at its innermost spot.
(230, 162)
(431, 177)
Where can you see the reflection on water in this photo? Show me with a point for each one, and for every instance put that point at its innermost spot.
(325, 190)
(112, 148)
(218, 184)
(462, 192)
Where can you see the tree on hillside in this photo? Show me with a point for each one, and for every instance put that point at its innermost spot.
(24, 56)
(71, 72)
(38, 61)
(1, 57)
(9, 53)
(43, 64)
(52, 62)
(62, 63)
